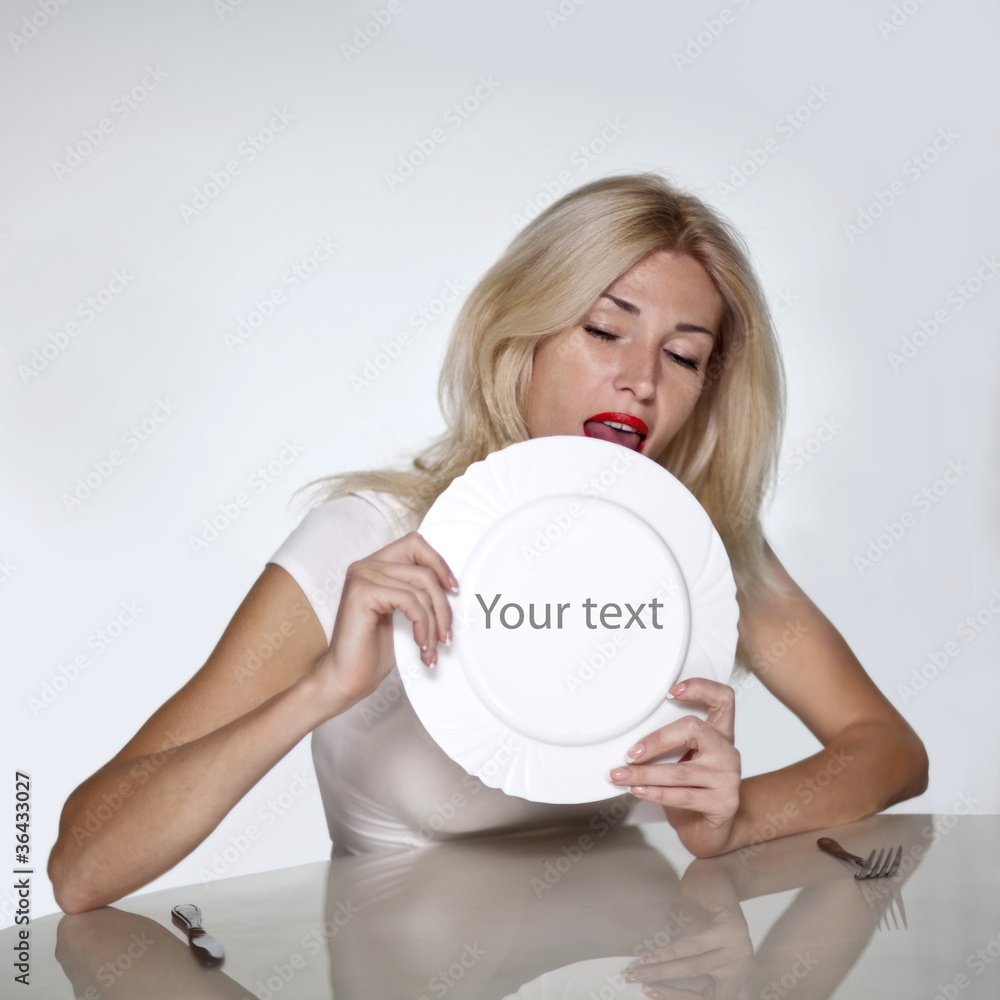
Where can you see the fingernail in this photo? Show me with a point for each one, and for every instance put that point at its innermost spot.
(618, 774)
(448, 637)
(636, 752)
(678, 689)
(423, 648)
(634, 976)
(639, 789)
(454, 584)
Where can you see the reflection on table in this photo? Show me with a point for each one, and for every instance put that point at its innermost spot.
(587, 912)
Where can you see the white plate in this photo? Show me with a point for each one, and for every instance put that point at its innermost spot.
(581, 536)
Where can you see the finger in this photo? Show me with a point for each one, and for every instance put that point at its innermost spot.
(720, 699)
(425, 580)
(717, 762)
(701, 943)
(681, 968)
(383, 596)
(689, 733)
(716, 805)
(663, 991)
(414, 547)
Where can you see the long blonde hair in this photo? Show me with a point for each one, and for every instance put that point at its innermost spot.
(550, 275)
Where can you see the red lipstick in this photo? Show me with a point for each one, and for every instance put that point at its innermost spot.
(619, 428)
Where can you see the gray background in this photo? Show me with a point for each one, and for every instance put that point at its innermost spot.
(864, 437)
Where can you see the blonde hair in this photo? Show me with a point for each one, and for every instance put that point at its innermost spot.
(550, 275)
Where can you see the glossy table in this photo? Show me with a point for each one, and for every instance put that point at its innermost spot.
(563, 914)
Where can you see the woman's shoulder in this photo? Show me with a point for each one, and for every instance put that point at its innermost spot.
(365, 518)
(396, 514)
(335, 534)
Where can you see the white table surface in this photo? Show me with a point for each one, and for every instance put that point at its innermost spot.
(501, 917)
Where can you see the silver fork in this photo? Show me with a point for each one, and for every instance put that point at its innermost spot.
(881, 865)
(883, 899)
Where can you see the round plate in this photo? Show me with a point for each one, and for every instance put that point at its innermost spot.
(591, 581)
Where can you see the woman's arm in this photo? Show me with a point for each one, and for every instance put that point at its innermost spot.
(203, 750)
(196, 757)
(871, 758)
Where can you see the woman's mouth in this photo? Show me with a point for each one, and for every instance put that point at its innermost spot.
(618, 428)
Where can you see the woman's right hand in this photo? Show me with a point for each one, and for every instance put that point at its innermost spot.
(407, 575)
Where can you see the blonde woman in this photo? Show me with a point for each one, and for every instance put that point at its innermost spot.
(628, 311)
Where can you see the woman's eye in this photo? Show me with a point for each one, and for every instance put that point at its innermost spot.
(600, 334)
(686, 362)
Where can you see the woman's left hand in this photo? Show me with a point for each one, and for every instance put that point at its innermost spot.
(701, 792)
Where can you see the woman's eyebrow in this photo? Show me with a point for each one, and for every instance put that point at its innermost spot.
(631, 307)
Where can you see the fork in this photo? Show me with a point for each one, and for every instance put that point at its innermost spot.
(881, 865)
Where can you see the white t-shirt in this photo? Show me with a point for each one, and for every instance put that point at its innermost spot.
(385, 783)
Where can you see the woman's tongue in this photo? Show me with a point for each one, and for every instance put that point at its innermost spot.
(597, 429)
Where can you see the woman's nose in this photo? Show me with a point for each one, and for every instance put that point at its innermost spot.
(637, 371)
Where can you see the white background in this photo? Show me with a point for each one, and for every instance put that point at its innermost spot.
(881, 95)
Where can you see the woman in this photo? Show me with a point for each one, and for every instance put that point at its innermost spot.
(625, 311)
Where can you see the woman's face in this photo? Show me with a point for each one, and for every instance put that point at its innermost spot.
(632, 369)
